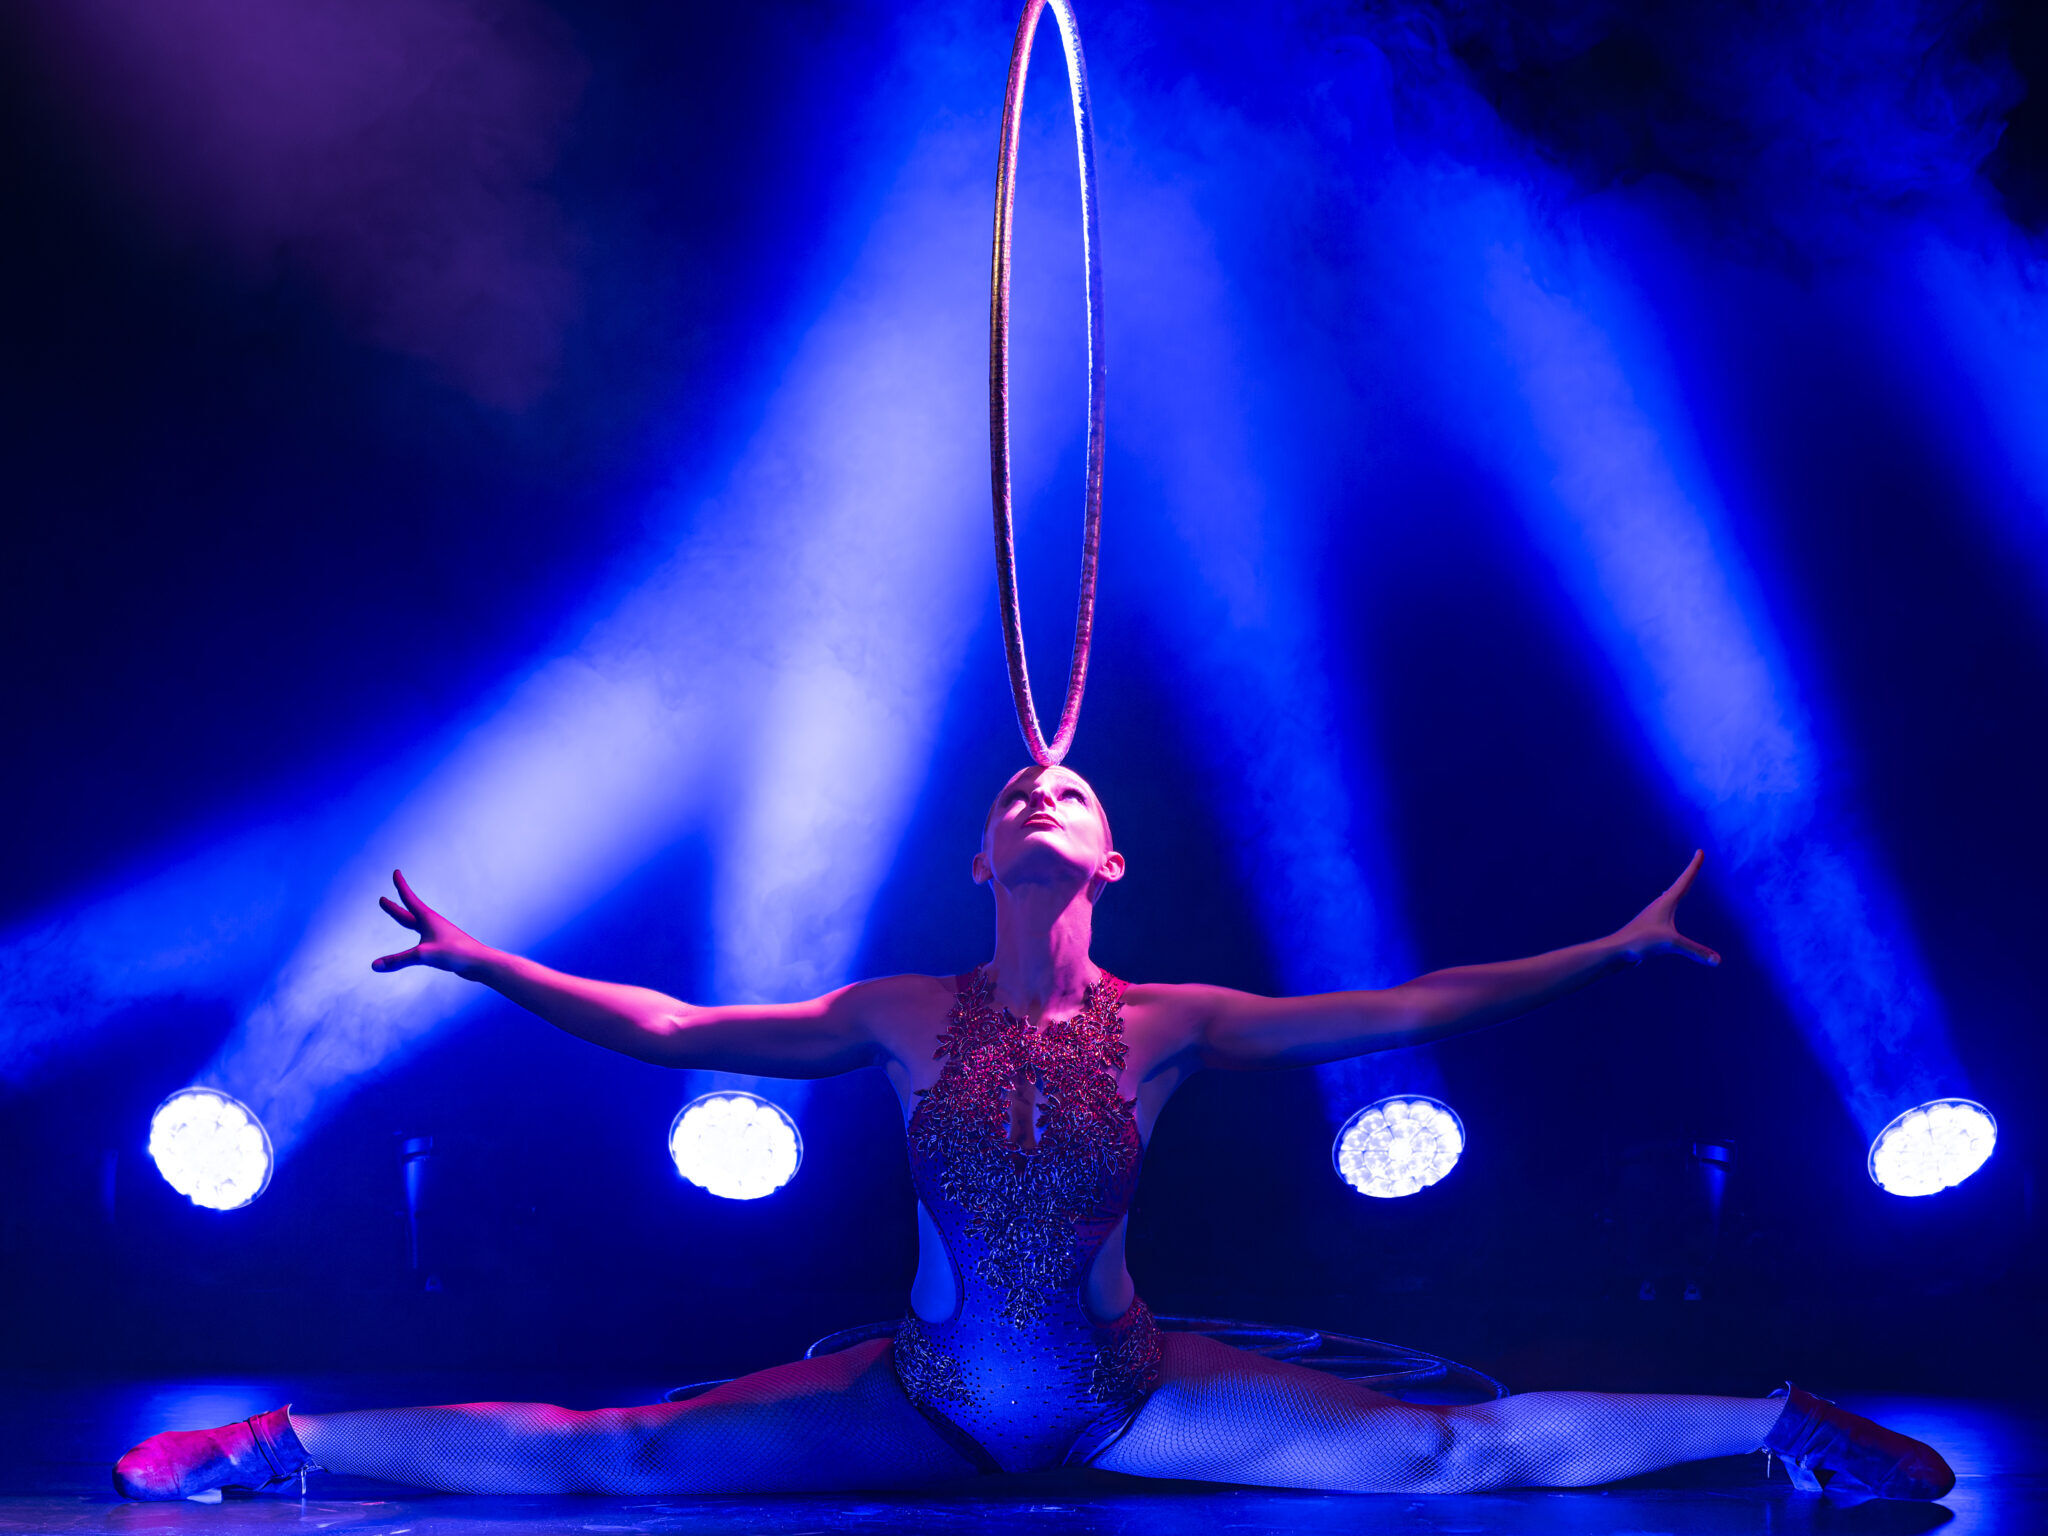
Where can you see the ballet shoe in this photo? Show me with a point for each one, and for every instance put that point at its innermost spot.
(1828, 1448)
(254, 1454)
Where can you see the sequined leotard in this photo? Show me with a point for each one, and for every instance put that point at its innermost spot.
(1020, 1377)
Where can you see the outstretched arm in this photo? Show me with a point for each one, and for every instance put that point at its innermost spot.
(1243, 1031)
(818, 1038)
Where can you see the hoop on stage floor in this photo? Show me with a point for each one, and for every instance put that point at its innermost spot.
(1413, 1375)
(1042, 752)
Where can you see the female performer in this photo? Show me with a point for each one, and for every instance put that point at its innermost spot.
(1029, 1087)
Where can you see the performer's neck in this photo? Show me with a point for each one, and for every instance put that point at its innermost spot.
(1042, 938)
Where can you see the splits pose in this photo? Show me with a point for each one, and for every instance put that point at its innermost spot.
(1029, 1088)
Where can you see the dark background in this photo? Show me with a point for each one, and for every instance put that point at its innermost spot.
(263, 538)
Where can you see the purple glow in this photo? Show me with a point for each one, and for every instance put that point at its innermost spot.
(393, 151)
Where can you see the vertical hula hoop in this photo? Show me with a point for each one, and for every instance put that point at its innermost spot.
(1044, 753)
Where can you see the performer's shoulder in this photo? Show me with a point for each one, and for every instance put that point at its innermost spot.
(909, 992)
(1164, 998)
(1161, 992)
(903, 1014)
(1162, 1019)
(1180, 1000)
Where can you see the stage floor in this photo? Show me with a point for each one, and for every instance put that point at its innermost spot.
(60, 1439)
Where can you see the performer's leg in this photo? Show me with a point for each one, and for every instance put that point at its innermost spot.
(837, 1422)
(1225, 1415)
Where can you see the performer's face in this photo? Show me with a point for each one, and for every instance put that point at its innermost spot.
(1046, 822)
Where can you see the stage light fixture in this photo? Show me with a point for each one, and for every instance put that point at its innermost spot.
(1932, 1147)
(738, 1146)
(210, 1148)
(1398, 1145)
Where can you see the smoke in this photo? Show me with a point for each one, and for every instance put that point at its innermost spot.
(392, 153)
(774, 686)
(1225, 430)
(1315, 211)
(205, 928)
(1468, 250)
(1802, 115)
(1618, 494)
(1982, 303)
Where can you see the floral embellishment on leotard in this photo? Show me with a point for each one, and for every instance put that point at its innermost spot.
(927, 1372)
(1127, 1360)
(1032, 1208)
(1025, 1154)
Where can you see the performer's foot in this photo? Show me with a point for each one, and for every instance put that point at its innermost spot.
(1826, 1446)
(256, 1453)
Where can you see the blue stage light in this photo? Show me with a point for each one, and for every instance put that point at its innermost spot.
(1398, 1145)
(1933, 1147)
(210, 1148)
(736, 1145)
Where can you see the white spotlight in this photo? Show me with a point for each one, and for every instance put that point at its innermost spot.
(1398, 1145)
(1933, 1147)
(736, 1145)
(210, 1148)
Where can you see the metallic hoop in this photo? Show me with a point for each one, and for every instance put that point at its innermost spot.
(999, 380)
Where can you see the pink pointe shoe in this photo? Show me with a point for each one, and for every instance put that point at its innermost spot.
(1824, 1446)
(256, 1453)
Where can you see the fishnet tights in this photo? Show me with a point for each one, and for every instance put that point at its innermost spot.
(1220, 1414)
(1224, 1415)
(837, 1422)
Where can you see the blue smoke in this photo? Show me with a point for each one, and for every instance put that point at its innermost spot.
(1791, 125)
(1463, 193)
(1322, 223)
(1223, 423)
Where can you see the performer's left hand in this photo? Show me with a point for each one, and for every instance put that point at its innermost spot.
(1654, 930)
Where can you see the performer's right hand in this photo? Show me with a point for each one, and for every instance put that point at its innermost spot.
(442, 945)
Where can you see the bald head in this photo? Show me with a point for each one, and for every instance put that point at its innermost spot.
(1019, 784)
